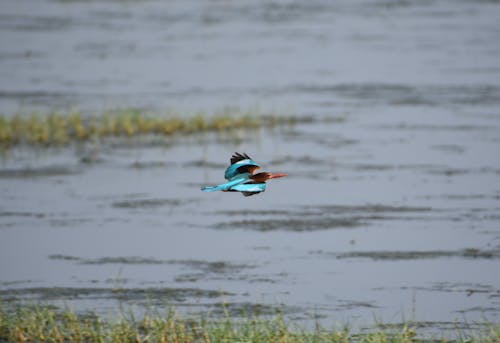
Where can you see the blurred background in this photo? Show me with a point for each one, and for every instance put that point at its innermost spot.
(391, 208)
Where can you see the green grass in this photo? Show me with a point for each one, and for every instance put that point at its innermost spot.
(44, 324)
(55, 129)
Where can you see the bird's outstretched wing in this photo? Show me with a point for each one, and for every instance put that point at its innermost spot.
(225, 186)
(248, 189)
(240, 164)
(239, 157)
(238, 185)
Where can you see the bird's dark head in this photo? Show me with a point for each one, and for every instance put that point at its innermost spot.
(264, 176)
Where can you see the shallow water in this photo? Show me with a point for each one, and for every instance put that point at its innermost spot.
(391, 210)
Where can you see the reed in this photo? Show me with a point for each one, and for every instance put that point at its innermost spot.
(56, 129)
(44, 324)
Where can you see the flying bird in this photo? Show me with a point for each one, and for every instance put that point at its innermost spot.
(242, 178)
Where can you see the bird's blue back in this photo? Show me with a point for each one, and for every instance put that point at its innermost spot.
(232, 170)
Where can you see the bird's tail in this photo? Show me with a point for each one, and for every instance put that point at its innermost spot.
(211, 188)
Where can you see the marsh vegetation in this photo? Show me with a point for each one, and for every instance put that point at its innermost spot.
(44, 324)
(59, 129)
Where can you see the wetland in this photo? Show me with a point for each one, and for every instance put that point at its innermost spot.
(385, 115)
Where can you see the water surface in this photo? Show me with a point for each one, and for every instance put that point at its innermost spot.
(391, 210)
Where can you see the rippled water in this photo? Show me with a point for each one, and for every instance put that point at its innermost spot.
(391, 210)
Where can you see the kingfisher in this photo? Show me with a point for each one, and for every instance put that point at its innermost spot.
(241, 177)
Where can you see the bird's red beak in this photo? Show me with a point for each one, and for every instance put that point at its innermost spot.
(277, 175)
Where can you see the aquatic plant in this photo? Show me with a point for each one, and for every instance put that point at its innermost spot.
(44, 324)
(55, 129)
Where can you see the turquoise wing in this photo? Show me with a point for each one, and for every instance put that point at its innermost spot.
(225, 186)
(249, 188)
(240, 164)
